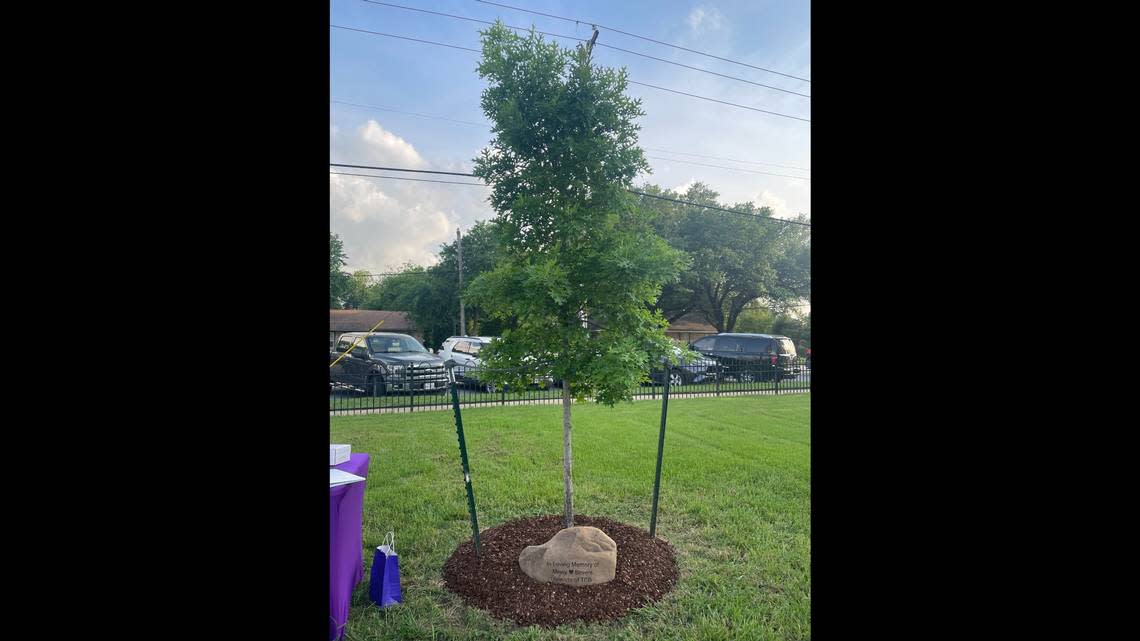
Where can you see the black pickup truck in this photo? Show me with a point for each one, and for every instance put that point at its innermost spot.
(382, 363)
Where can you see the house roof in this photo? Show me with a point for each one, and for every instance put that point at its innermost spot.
(362, 320)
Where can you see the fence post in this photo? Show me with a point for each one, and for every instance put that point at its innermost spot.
(660, 450)
(466, 467)
(719, 375)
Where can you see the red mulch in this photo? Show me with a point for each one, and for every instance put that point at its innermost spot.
(646, 570)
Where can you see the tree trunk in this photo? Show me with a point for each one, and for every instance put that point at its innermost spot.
(567, 457)
(734, 313)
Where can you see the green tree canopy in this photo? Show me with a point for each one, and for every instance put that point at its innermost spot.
(755, 319)
(424, 294)
(339, 282)
(735, 260)
(430, 295)
(577, 253)
(356, 293)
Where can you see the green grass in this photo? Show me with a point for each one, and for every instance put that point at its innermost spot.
(735, 503)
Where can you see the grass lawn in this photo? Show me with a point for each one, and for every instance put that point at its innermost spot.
(735, 503)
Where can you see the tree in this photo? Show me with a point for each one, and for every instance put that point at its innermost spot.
(424, 294)
(430, 296)
(355, 293)
(339, 281)
(577, 252)
(755, 319)
(481, 246)
(735, 259)
(793, 327)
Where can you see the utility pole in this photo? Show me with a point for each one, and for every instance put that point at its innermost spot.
(593, 39)
(462, 317)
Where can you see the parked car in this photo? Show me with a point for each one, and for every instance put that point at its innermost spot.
(382, 363)
(751, 357)
(448, 342)
(463, 352)
(691, 368)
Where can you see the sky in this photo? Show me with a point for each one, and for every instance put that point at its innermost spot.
(386, 224)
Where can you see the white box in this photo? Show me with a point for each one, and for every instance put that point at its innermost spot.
(339, 453)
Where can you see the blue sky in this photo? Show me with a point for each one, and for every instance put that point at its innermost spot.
(388, 223)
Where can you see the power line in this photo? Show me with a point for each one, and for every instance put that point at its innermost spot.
(731, 211)
(750, 171)
(418, 180)
(634, 82)
(751, 162)
(732, 104)
(410, 113)
(794, 93)
(414, 171)
(634, 35)
(392, 35)
(632, 191)
(425, 273)
(487, 126)
(601, 44)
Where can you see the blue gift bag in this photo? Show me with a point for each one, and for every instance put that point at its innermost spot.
(385, 588)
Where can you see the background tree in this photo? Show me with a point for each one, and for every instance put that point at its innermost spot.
(481, 245)
(338, 280)
(355, 292)
(576, 247)
(430, 296)
(794, 327)
(424, 295)
(755, 319)
(735, 259)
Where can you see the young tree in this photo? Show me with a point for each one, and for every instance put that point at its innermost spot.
(579, 263)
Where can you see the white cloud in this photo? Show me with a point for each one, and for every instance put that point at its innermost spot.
(388, 145)
(703, 19)
(683, 187)
(372, 144)
(779, 206)
(386, 223)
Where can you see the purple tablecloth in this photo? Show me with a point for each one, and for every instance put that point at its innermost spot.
(346, 560)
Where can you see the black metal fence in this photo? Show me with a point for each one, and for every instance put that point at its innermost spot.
(412, 390)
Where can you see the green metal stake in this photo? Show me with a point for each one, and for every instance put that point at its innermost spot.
(466, 468)
(660, 450)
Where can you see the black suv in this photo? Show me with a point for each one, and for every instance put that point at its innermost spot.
(751, 357)
(383, 362)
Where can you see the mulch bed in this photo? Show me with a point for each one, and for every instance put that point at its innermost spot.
(646, 570)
